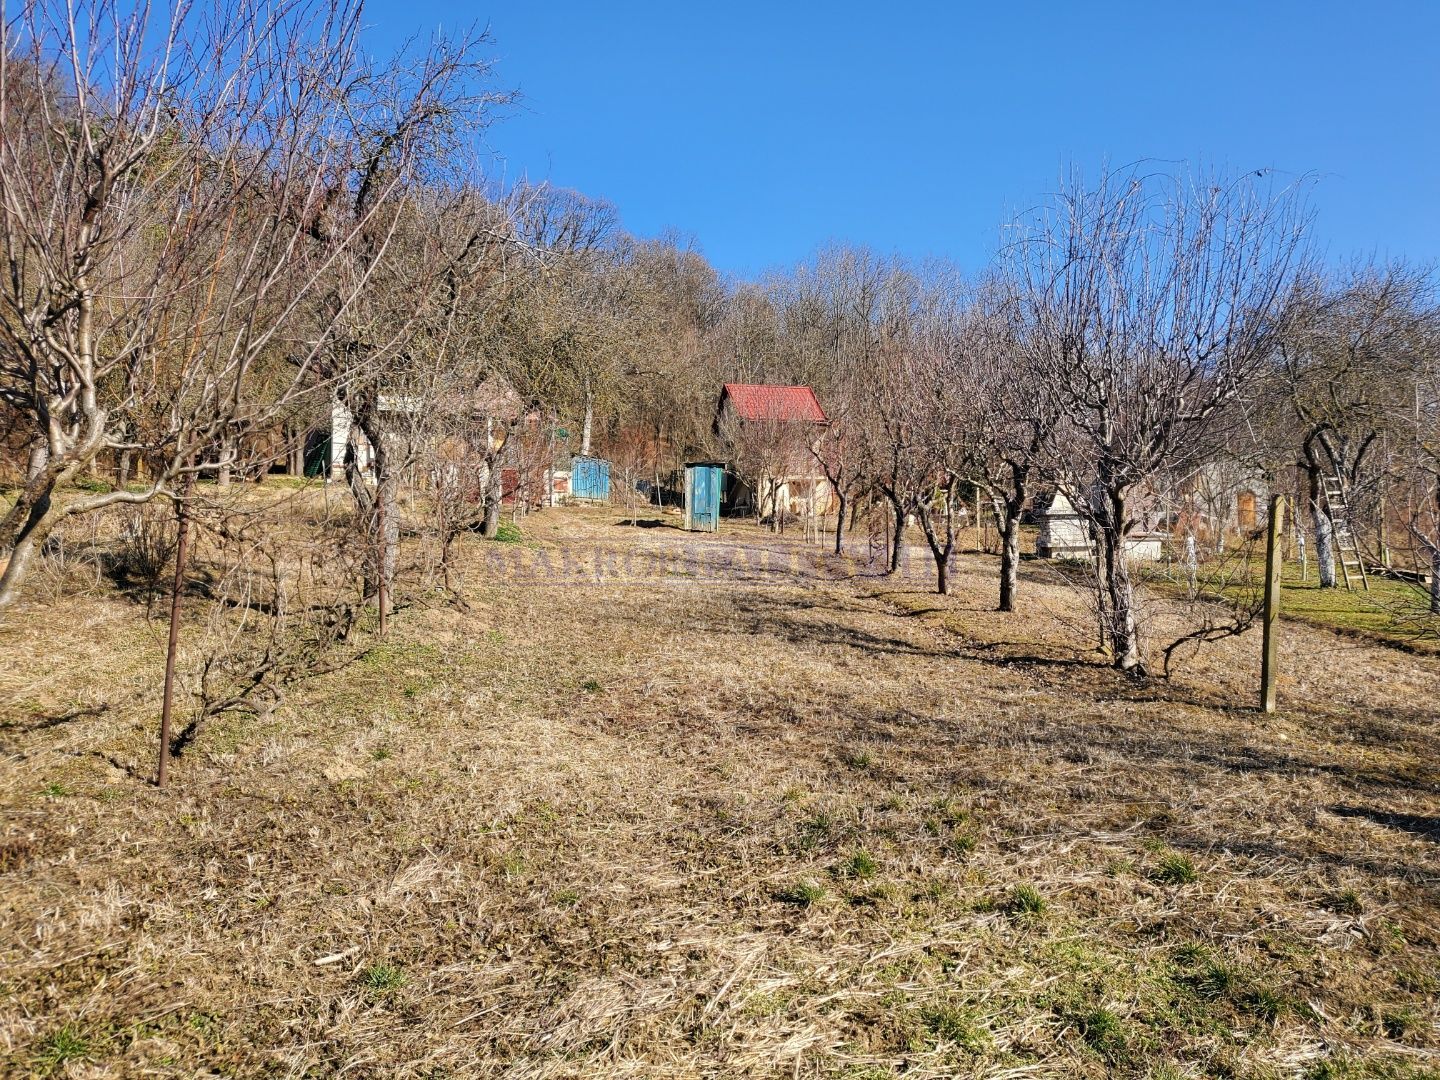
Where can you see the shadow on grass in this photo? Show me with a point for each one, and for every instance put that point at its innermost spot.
(1427, 828)
(41, 721)
(774, 615)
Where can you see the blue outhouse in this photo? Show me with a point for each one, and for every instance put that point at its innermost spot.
(704, 487)
(590, 479)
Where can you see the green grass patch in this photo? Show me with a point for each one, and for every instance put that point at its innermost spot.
(801, 894)
(68, 1043)
(1174, 869)
(815, 831)
(1393, 611)
(962, 843)
(1104, 1033)
(508, 533)
(1397, 1024)
(861, 865)
(1026, 900)
(382, 978)
(956, 1026)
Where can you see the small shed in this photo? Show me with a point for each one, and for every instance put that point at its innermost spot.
(589, 479)
(704, 486)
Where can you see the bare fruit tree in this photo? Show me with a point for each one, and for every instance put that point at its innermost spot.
(1420, 507)
(1007, 422)
(928, 412)
(1149, 302)
(1346, 365)
(167, 181)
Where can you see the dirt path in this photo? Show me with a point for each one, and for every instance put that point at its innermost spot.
(657, 806)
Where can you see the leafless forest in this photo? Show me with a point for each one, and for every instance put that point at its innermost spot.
(330, 744)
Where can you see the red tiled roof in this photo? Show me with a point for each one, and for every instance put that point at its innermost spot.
(758, 401)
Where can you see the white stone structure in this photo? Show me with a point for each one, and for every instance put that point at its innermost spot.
(1065, 534)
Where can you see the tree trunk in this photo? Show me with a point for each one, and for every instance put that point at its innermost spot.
(122, 469)
(1102, 603)
(30, 537)
(942, 562)
(589, 421)
(1120, 591)
(28, 523)
(1013, 506)
(1324, 535)
(35, 463)
(1325, 549)
(227, 463)
(381, 509)
(1191, 568)
(941, 553)
(1010, 556)
(388, 527)
(1125, 637)
(897, 537)
(494, 492)
(447, 542)
(840, 525)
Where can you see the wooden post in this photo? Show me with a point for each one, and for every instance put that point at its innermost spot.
(1191, 565)
(177, 588)
(382, 597)
(1272, 602)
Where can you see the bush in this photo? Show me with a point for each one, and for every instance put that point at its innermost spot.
(145, 549)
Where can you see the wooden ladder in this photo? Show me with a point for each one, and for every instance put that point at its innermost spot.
(1337, 508)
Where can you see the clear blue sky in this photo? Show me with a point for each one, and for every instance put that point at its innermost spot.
(764, 130)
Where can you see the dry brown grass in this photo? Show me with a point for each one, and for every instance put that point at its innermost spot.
(787, 822)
